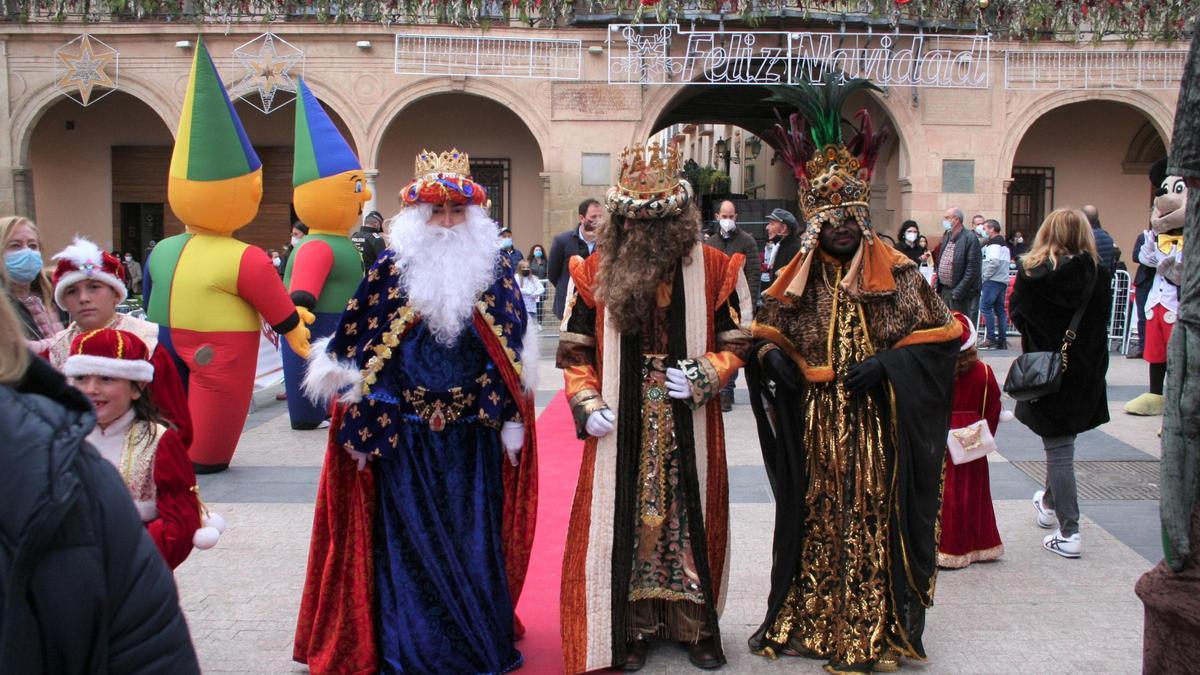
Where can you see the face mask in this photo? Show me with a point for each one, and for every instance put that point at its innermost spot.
(537, 254)
(506, 243)
(910, 237)
(525, 273)
(128, 258)
(1020, 239)
(727, 225)
(775, 239)
(276, 261)
(947, 226)
(23, 266)
(296, 240)
(981, 231)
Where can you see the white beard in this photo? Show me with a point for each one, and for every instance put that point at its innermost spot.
(444, 270)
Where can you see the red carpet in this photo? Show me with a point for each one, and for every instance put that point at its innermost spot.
(559, 455)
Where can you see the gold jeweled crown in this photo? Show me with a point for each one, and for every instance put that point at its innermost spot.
(451, 161)
(649, 184)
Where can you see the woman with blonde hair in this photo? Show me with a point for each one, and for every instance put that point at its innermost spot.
(1061, 273)
(28, 287)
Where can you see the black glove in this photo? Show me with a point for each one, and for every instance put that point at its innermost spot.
(864, 376)
(781, 369)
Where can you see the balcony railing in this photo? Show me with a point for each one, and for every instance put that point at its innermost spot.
(1017, 19)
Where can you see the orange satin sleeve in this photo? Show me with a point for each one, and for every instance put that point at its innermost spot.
(579, 378)
(725, 363)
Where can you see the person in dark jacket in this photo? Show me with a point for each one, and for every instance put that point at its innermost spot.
(730, 239)
(909, 242)
(82, 587)
(784, 232)
(580, 241)
(1105, 247)
(1056, 276)
(369, 240)
(960, 266)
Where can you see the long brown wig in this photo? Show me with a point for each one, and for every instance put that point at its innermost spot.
(636, 256)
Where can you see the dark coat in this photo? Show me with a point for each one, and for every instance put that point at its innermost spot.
(968, 266)
(740, 241)
(1105, 247)
(564, 247)
(370, 243)
(789, 247)
(1042, 304)
(82, 587)
(913, 252)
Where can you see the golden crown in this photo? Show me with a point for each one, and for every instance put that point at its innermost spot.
(649, 171)
(451, 161)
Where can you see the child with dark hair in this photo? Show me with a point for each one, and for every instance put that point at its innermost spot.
(112, 368)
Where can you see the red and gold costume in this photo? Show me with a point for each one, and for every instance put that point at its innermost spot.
(654, 491)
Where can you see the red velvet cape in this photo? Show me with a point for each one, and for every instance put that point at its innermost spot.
(335, 632)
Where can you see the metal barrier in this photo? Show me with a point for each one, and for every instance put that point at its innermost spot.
(1121, 314)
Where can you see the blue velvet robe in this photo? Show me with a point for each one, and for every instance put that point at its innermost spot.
(443, 596)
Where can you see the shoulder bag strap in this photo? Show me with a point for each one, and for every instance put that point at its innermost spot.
(987, 374)
(1070, 335)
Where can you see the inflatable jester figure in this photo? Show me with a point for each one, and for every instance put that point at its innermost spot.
(208, 290)
(325, 268)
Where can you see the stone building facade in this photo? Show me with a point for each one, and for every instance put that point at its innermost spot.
(1003, 151)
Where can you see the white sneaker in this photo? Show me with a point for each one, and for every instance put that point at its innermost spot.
(1046, 518)
(1067, 547)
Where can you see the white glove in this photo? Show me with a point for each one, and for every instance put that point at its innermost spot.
(678, 386)
(512, 437)
(361, 458)
(600, 423)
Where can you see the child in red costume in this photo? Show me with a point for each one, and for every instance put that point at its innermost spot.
(969, 531)
(111, 367)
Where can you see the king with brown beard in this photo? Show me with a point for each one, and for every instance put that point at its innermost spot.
(655, 324)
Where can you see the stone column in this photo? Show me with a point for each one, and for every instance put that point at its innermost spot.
(547, 220)
(23, 192)
(372, 203)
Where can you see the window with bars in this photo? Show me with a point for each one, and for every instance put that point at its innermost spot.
(1030, 197)
(495, 175)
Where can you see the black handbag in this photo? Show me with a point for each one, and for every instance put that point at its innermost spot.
(1037, 374)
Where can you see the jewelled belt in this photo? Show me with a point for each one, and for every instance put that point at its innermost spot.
(439, 408)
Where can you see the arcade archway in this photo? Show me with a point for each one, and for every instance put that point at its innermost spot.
(505, 156)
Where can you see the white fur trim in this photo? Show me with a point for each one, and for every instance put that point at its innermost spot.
(327, 376)
(530, 351)
(126, 369)
(973, 337)
(205, 538)
(1007, 416)
(83, 253)
(148, 509)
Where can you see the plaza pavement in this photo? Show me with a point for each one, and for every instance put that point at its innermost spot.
(1030, 612)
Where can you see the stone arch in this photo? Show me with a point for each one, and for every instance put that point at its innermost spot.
(397, 101)
(26, 117)
(333, 98)
(907, 131)
(1161, 116)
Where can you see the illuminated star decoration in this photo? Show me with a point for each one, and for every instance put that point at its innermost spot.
(81, 67)
(271, 66)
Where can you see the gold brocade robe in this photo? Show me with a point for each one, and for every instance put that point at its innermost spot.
(853, 575)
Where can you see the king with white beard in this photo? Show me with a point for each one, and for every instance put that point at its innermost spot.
(424, 517)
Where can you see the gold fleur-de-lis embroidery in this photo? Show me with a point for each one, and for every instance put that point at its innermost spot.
(394, 440)
(347, 445)
(352, 305)
(508, 283)
(384, 420)
(364, 434)
(351, 351)
(494, 398)
(508, 307)
(355, 412)
(373, 299)
(373, 323)
(483, 380)
(393, 293)
(350, 329)
(373, 275)
(489, 299)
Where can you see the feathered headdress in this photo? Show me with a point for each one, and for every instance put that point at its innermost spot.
(834, 177)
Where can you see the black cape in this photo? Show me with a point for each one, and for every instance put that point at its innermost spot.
(922, 380)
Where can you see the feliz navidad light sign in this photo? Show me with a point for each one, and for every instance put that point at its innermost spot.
(666, 54)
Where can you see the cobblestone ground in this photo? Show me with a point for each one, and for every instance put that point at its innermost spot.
(1031, 611)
